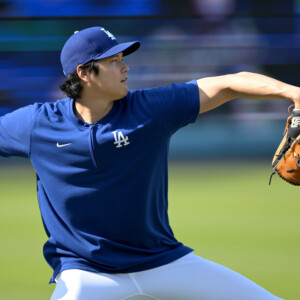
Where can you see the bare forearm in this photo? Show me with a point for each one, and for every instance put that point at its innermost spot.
(257, 86)
(218, 90)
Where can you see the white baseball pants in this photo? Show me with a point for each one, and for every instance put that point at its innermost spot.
(188, 278)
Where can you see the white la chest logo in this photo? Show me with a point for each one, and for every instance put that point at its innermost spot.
(119, 139)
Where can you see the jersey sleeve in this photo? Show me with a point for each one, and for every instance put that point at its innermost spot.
(175, 106)
(15, 131)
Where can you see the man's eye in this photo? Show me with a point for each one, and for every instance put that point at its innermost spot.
(117, 59)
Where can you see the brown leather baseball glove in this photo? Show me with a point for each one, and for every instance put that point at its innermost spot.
(286, 161)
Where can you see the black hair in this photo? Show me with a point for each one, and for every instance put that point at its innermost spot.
(72, 87)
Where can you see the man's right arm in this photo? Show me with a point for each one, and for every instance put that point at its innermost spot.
(15, 131)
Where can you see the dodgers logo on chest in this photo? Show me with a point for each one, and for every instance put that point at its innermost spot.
(120, 139)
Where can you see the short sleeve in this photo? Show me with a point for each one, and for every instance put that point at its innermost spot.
(15, 131)
(175, 106)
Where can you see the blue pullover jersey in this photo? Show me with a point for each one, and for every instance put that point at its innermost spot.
(103, 188)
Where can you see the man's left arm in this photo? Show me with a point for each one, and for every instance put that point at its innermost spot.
(214, 91)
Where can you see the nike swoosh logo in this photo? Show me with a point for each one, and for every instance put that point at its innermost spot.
(62, 145)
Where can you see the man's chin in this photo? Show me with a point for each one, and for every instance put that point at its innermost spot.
(121, 96)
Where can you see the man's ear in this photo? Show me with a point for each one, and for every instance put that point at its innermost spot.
(83, 74)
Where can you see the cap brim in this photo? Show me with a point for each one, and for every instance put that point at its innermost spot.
(126, 48)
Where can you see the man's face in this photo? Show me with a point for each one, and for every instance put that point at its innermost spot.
(111, 82)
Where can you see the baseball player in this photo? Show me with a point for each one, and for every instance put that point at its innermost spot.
(100, 156)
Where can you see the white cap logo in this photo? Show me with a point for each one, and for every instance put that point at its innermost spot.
(110, 35)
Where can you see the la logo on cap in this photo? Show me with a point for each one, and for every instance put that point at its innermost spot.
(110, 35)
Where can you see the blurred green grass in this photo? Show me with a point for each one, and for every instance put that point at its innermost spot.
(225, 211)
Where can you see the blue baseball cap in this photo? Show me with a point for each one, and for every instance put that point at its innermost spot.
(92, 44)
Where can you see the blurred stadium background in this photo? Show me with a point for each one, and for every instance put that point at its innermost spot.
(225, 210)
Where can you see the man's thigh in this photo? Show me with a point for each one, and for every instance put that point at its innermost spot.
(194, 278)
(83, 285)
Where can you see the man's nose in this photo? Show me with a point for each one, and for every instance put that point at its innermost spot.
(125, 68)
